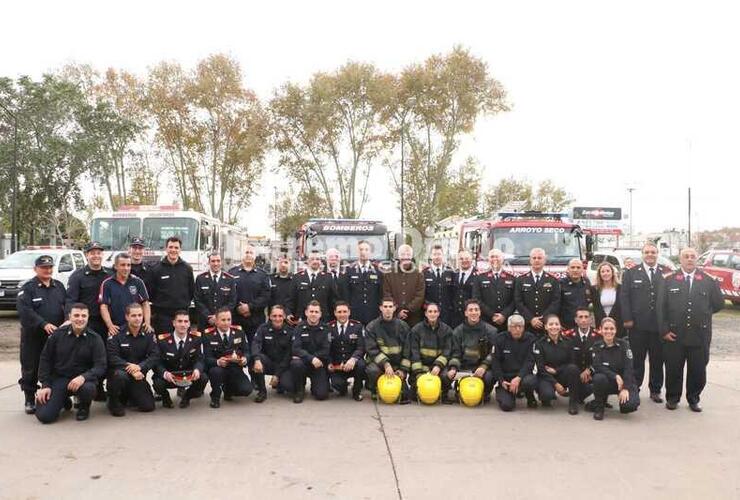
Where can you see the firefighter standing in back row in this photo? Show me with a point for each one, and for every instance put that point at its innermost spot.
(309, 285)
(214, 289)
(281, 283)
(686, 302)
(495, 291)
(439, 285)
(172, 286)
(537, 292)
(252, 293)
(41, 309)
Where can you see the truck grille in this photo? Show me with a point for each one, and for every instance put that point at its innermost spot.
(9, 284)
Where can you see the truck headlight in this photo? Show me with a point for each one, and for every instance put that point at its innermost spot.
(736, 279)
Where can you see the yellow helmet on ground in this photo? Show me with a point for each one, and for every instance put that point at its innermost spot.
(389, 388)
(470, 390)
(428, 388)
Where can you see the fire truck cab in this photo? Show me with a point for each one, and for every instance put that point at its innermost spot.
(344, 235)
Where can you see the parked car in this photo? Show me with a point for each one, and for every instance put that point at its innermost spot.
(621, 259)
(725, 266)
(17, 268)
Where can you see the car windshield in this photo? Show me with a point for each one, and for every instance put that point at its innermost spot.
(347, 245)
(560, 244)
(20, 260)
(115, 234)
(158, 229)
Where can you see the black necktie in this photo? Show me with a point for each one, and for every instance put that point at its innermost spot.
(495, 277)
(226, 339)
(334, 275)
(688, 280)
(341, 330)
(652, 274)
(462, 278)
(215, 279)
(313, 276)
(536, 278)
(438, 274)
(180, 343)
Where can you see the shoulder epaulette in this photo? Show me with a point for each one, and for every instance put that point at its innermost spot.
(354, 322)
(210, 330)
(228, 274)
(551, 275)
(205, 273)
(163, 336)
(236, 327)
(569, 333)
(332, 322)
(195, 333)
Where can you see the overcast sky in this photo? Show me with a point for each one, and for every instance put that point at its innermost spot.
(605, 96)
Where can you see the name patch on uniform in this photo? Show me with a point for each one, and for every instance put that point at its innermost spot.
(37, 299)
(164, 277)
(373, 276)
(170, 353)
(205, 287)
(237, 341)
(124, 345)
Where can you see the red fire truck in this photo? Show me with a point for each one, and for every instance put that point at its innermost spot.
(517, 233)
(725, 266)
(342, 234)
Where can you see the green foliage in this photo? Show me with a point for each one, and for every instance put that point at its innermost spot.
(546, 196)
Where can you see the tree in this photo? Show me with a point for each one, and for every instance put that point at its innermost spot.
(329, 132)
(296, 207)
(214, 133)
(545, 197)
(435, 104)
(460, 193)
(51, 153)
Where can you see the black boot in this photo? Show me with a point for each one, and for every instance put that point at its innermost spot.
(100, 395)
(30, 404)
(167, 400)
(573, 407)
(298, 396)
(261, 396)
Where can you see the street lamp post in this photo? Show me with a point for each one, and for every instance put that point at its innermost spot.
(632, 237)
(14, 181)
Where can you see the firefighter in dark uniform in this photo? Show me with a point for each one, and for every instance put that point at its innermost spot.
(214, 289)
(180, 362)
(131, 354)
(386, 349)
(172, 286)
(557, 373)
(639, 300)
(309, 285)
(512, 363)
(361, 286)
(310, 355)
(334, 270)
(471, 348)
(281, 282)
(439, 286)
(71, 362)
(612, 371)
(272, 350)
(346, 352)
(575, 292)
(686, 302)
(226, 352)
(252, 293)
(464, 279)
(40, 307)
(139, 268)
(495, 291)
(537, 293)
(430, 347)
(84, 286)
(582, 338)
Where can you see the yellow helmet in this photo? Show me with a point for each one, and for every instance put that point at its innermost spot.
(389, 388)
(470, 390)
(428, 388)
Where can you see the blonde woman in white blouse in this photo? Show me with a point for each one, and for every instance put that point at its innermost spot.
(605, 296)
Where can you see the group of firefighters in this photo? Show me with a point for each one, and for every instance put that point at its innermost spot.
(401, 331)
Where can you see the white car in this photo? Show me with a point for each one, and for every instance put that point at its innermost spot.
(621, 259)
(17, 268)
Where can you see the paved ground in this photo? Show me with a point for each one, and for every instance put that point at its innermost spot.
(344, 449)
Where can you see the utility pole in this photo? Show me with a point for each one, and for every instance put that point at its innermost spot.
(631, 189)
(274, 211)
(688, 243)
(403, 127)
(14, 181)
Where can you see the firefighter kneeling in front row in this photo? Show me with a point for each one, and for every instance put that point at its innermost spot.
(226, 352)
(511, 364)
(430, 346)
(385, 343)
(472, 341)
(346, 352)
(310, 355)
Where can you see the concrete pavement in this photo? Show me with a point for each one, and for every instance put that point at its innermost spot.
(344, 449)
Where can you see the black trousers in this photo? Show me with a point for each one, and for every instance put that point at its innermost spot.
(603, 386)
(32, 343)
(340, 380)
(123, 387)
(645, 343)
(567, 376)
(285, 377)
(49, 411)
(373, 372)
(230, 379)
(694, 358)
(195, 390)
(507, 400)
(319, 378)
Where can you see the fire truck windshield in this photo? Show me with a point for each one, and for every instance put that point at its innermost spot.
(158, 229)
(115, 234)
(560, 244)
(347, 245)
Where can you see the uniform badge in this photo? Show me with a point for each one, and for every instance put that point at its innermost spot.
(132, 289)
(629, 353)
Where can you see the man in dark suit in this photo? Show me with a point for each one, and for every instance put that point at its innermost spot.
(495, 291)
(639, 297)
(362, 285)
(439, 285)
(686, 301)
(464, 279)
(214, 289)
(309, 285)
(537, 293)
